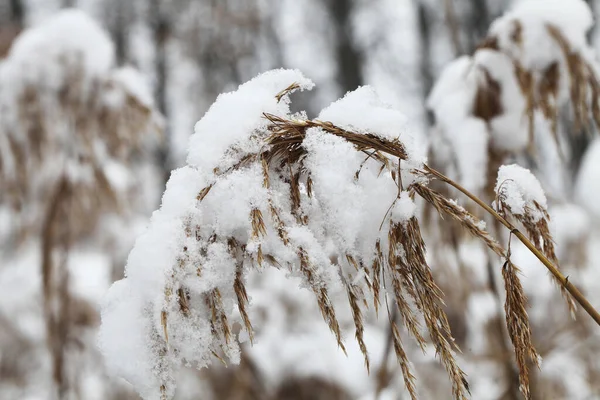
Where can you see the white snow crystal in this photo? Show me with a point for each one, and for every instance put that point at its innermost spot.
(404, 208)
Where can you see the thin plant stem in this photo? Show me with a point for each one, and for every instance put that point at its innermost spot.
(572, 289)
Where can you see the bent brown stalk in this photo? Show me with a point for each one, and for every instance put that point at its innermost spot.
(572, 289)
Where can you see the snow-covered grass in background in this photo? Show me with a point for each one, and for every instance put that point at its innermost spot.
(75, 185)
(508, 96)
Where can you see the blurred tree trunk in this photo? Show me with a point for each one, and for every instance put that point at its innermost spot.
(453, 26)
(478, 22)
(119, 16)
(579, 143)
(11, 23)
(160, 25)
(17, 13)
(424, 24)
(349, 58)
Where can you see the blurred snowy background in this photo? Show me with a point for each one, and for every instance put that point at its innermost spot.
(98, 99)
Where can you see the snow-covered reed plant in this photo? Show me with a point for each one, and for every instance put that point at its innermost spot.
(70, 124)
(330, 200)
(534, 67)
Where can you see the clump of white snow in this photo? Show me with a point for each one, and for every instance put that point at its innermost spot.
(70, 37)
(218, 130)
(520, 190)
(404, 208)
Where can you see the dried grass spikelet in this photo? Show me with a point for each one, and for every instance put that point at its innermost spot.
(376, 269)
(219, 323)
(409, 378)
(517, 322)
(325, 305)
(236, 251)
(355, 294)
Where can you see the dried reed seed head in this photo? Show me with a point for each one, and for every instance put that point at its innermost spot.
(542, 93)
(428, 298)
(517, 322)
(242, 300)
(581, 74)
(258, 225)
(405, 261)
(93, 121)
